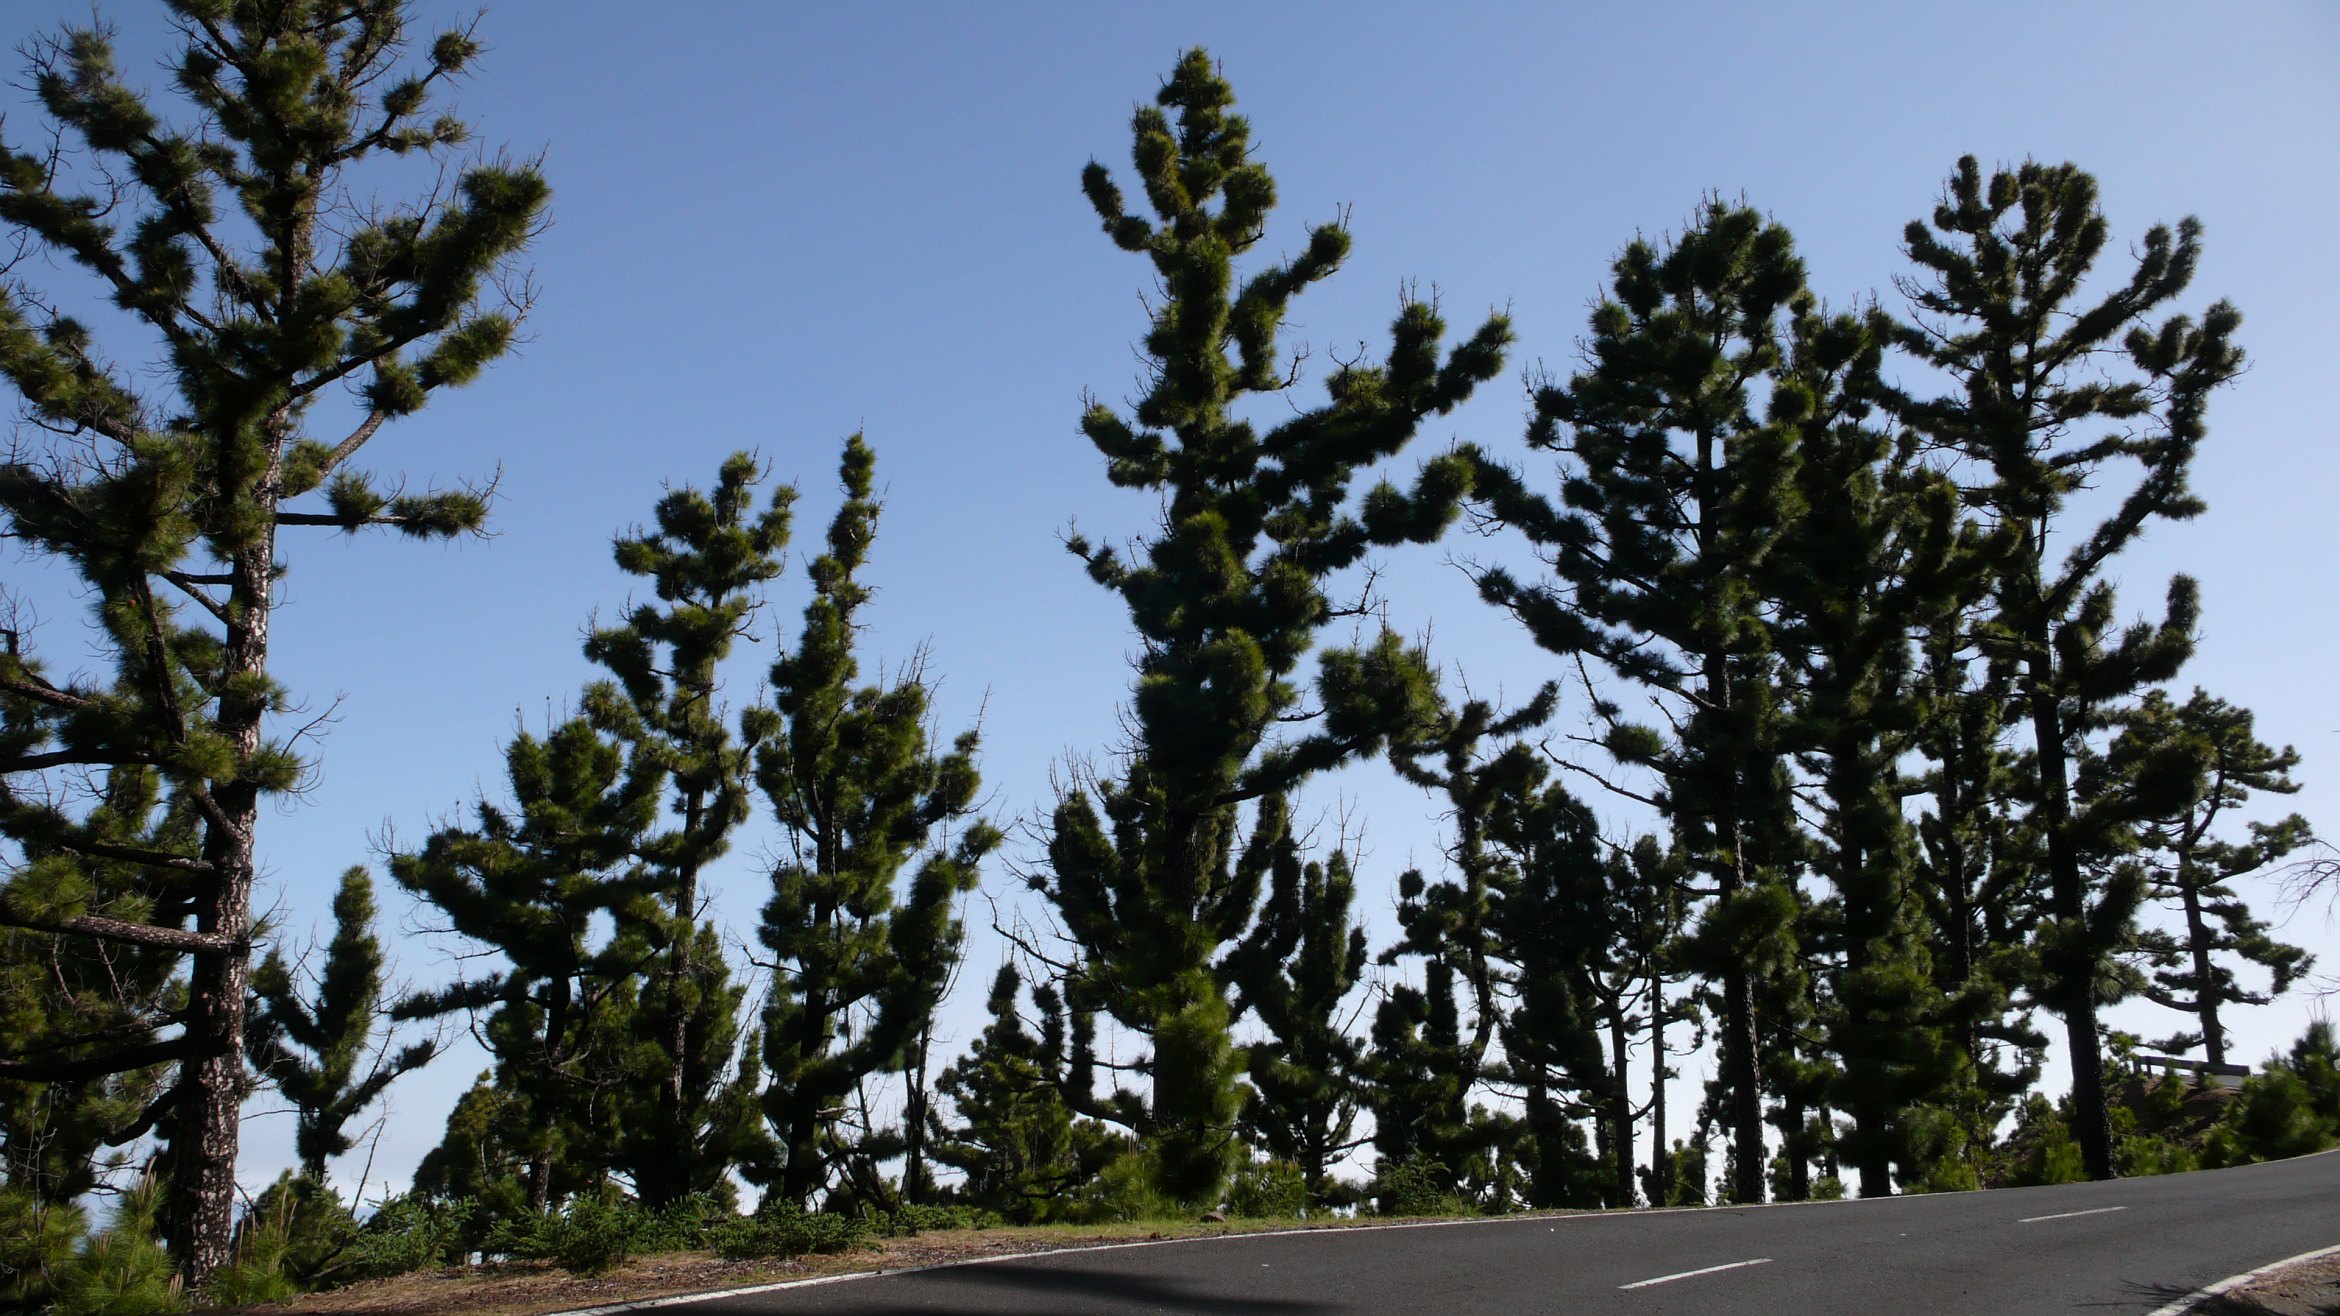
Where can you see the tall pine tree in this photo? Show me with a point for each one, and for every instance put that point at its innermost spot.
(243, 240)
(859, 792)
(2057, 389)
(557, 887)
(1229, 594)
(706, 559)
(1874, 558)
(1674, 495)
(2192, 867)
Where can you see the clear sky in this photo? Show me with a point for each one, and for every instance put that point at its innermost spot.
(777, 224)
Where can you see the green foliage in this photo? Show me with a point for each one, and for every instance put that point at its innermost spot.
(1294, 970)
(481, 1161)
(1675, 496)
(1022, 1151)
(37, 1241)
(2042, 1146)
(1270, 1190)
(594, 1233)
(707, 558)
(781, 1230)
(1687, 1173)
(920, 1218)
(311, 1048)
(1415, 1187)
(409, 1233)
(2291, 1107)
(122, 1269)
(296, 1236)
(2191, 867)
(255, 269)
(2053, 393)
(533, 885)
(1126, 1191)
(1228, 595)
(859, 792)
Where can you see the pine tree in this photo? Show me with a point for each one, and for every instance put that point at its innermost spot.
(706, 558)
(78, 1007)
(314, 1048)
(1018, 1142)
(859, 792)
(1228, 595)
(531, 884)
(2190, 867)
(1675, 494)
(1876, 557)
(1294, 971)
(243, 241)
(486, 1154)
(2004, 315)
(1570, 931)
(1978, 880)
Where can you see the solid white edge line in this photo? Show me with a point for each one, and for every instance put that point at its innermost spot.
(1692, 1274)
(2200, 1296)
(2066, 1215)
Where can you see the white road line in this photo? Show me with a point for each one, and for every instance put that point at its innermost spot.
(1687, 1274)
(2200, 1296)
(2066, 1215)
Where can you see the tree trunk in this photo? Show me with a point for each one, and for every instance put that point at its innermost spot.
(1620, 1106)
(914, 1118)
(2072, 970)
(1661, 1181)
(208, 1121)
(2205, 986)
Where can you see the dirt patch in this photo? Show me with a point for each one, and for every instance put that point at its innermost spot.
(2309, 1289)
(536, 1288)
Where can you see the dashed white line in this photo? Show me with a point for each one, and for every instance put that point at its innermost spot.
(2066, 1215)
(1688, 1274)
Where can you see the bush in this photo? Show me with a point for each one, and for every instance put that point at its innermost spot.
(682, 1225)
(407, 1234)
(1268, 1190)
(37, 1241)
(1124, 1193)
(1417, 1186)
(258, 1274)
(783, 1230)
(911, 1218)
(2143, 1154)
(122, 1270)
(586, 1236)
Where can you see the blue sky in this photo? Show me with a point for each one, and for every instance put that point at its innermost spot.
(777, 224)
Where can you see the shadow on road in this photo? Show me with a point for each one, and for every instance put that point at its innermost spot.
(1030, 1289)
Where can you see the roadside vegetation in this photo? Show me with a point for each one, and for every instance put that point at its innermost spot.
(1828, 601)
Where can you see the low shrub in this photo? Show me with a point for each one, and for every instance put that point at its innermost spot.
(1268, 1190)
(913, 1218)
(407, 1234)
(777, 1231)
(123, 1269)
(1124, 1193)
(1418, 1186)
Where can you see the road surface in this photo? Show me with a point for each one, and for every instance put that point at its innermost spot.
(2133, 1245)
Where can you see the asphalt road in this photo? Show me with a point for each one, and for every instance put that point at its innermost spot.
(2127, 1246)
